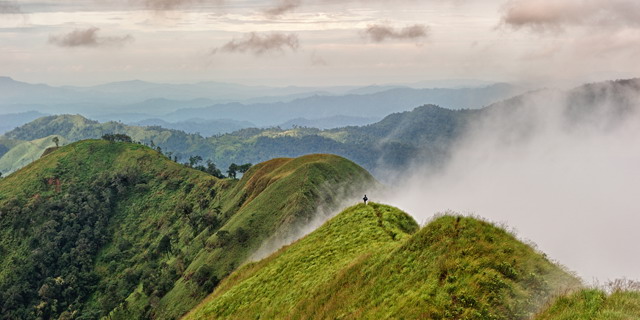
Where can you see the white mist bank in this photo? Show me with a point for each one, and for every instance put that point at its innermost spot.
(574, 191)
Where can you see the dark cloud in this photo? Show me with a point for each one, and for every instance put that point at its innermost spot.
(283, 7)
(381, 33)
(87, 38)
(260, 44)
(553, 15)
(9, 7)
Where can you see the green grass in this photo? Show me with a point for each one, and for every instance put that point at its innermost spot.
(370, 263)
(208, 222)
(594, 304)
(274, 286)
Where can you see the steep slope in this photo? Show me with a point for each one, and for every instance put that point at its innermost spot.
(26, 152)
(98, 228)
(371, 262)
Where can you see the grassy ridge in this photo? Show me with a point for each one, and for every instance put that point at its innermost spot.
(25, 152)
(369, 262)
(147, 237)
(274, 286)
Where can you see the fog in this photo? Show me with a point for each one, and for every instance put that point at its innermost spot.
(336, 199)
(567, 180)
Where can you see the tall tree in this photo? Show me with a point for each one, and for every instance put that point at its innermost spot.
(233, 171)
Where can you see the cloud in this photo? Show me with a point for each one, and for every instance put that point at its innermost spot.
(553, 15)
(161, 5)
(381, 33)
(9, 7)
(560, 167)
(260, 44)
(87, 38)
(283, 7)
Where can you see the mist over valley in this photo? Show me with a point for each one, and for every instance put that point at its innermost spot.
(303, 159)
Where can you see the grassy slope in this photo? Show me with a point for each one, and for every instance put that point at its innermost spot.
(592, 304)
(273, 286)
(75, 128)
(453, 268)
(271, 196)
(24, 153)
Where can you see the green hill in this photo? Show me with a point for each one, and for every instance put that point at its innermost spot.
(372, 262)
(75, 127)
(98, 228)
(23, 153)
(394, 141)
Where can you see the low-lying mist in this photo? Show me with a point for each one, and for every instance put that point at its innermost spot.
(348, 195)
(561, 168)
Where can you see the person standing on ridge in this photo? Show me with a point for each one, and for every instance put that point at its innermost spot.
(365, 199)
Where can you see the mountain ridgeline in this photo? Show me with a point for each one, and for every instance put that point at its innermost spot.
(426, 134)
(99, 228)
(374, 262)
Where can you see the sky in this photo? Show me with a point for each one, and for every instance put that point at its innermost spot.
(319, 42)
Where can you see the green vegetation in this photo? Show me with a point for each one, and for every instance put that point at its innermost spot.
(75, 128)
(593, 304)
(394, 141)
(25, 152)
(371, 262)
(426, 133)
(99, 228)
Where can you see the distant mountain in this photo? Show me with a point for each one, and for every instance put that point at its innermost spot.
(15, 92)
(205, 128)
(14, 120)
(144, 97)
(425, 134)
(328, 123)
(98, 229)
(136, 100)
(374, 262)
(377, 104)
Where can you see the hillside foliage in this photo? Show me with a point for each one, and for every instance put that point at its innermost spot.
(116, 229)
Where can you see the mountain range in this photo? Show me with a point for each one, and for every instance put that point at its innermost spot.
(135, 101)
(426, 133)
(98, 229)
(96, 226)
